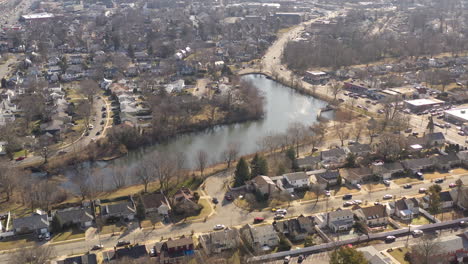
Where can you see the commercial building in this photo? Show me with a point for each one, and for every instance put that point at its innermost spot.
(457, 115)
(419, 105)
(316, 77)
(37, 17)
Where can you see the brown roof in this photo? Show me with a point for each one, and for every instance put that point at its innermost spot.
(183, 241)
(356, 173)
(183, 193)
(154, 200)
(376, 211)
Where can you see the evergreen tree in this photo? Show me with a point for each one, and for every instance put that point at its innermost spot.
(56, 224)
(291, 154)
(131, 51)
(263, 166)
(242, 173)
(347, 255)
(258, 166)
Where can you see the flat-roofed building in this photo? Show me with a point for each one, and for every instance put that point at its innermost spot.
(419, 105)
(457, 115)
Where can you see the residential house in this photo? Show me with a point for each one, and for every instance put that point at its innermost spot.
(312, 162)
(333, 156)
(372, 215)
(405, 209)
(462, 198)
(178, 247)
(356, 175)
(446, 162)
(340, 220)
(38, 224)
(297, 179)
(260, 237)
(359, 150)
(132, 252)
(417, 165)
(435, 139)
(184, 194)
(463, 156)
(156, 202)
(387, 170)
(447, 199)
(79, 216)
(296, 229)
(263, 184)
(83, 259)
(374, 256)
(186, 202)
(328, 177)
(124, 210)
(216, 242)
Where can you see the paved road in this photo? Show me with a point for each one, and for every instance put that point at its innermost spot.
(363, 238)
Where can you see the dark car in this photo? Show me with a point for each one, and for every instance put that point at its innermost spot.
(215, 200)
(258, 220)
(122, 243)
(439, 181)
(300, 259)
(104, 115)
(103, 108)
(228, 197)
(347, 197)
(407, 186)
(98, 133)
(97, 247)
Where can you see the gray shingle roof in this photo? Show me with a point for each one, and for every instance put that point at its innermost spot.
(31, 222)
(308, 161)
(336, 152)
(296, 176)
(340, 213)
(75, 214)
(328, 175)
(125, 208)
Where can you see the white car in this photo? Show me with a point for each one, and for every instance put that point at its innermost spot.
(281, 211)
(219, 227)
(327, 193)
(417, 233)
(386, 182)
(358, 186)
(387, 196)
(357, 202)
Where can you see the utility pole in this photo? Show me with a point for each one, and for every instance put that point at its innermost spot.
(409, 230)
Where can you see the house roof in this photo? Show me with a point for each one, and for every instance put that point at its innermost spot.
(221, 236)
(389, 167)
(356, 173)
(401, 204)
(435, 136)
(446, 196)
(84, 259)
(374, 212)
(309, 160)
(356, 148)
(154, 200)
(328, 175)
(446, 159)
(294, 176)
(134, 252)
(73, 214)
(125, 208)
(340, 213)
(31, 222)
(417, 163)
(261, 231)
(183, 241)
(336, 152)
(262, 180)
(184, 193)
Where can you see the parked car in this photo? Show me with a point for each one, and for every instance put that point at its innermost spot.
(347, 197)
(258, 220)
(358, 186)
(348, 203)
(215, 200)
(386, 182)
(97, 247)
(357, 202)
(387, 196)
(422, 190)
(420, 175)
(327, 193)
(440, 180)
(278, 216)
(286, 259)
(228, 197)
(20, 158)
(390, 239)
(300, 259)
(219, 227)
(407, 186)
(281, 211)
(122, 243)
(463, 224)
(102, 122)
(452, 185)
(417, 233)
(152, 252)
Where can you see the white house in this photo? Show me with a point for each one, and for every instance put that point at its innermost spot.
(156, 202)
(340, 220)
(297, 179)
(260, 237)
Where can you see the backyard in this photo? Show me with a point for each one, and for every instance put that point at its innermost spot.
(449, 215)
(399, 255)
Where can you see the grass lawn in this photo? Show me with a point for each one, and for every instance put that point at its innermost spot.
(235, 258)
(21, 153)
(204, 212)
(345, 190)
(113, 228)
(16, 242)
(151, 221)
(17, 210)
(399, 255)
(420, 220)
(436, 175)
(73, 233)
(405, 180)
(374, 186)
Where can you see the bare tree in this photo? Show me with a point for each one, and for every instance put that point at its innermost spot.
(119, 177)
(425, 250)
(230, 154)
(357, 130)
(36, 254)
(82, 179)
(10, 178)
(89, 88)
(84, 110)
(202, 161)
(341, 131)
(146, 171)
(297, 132)
(335, 89)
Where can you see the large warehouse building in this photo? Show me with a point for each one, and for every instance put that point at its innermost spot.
(420, 105)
